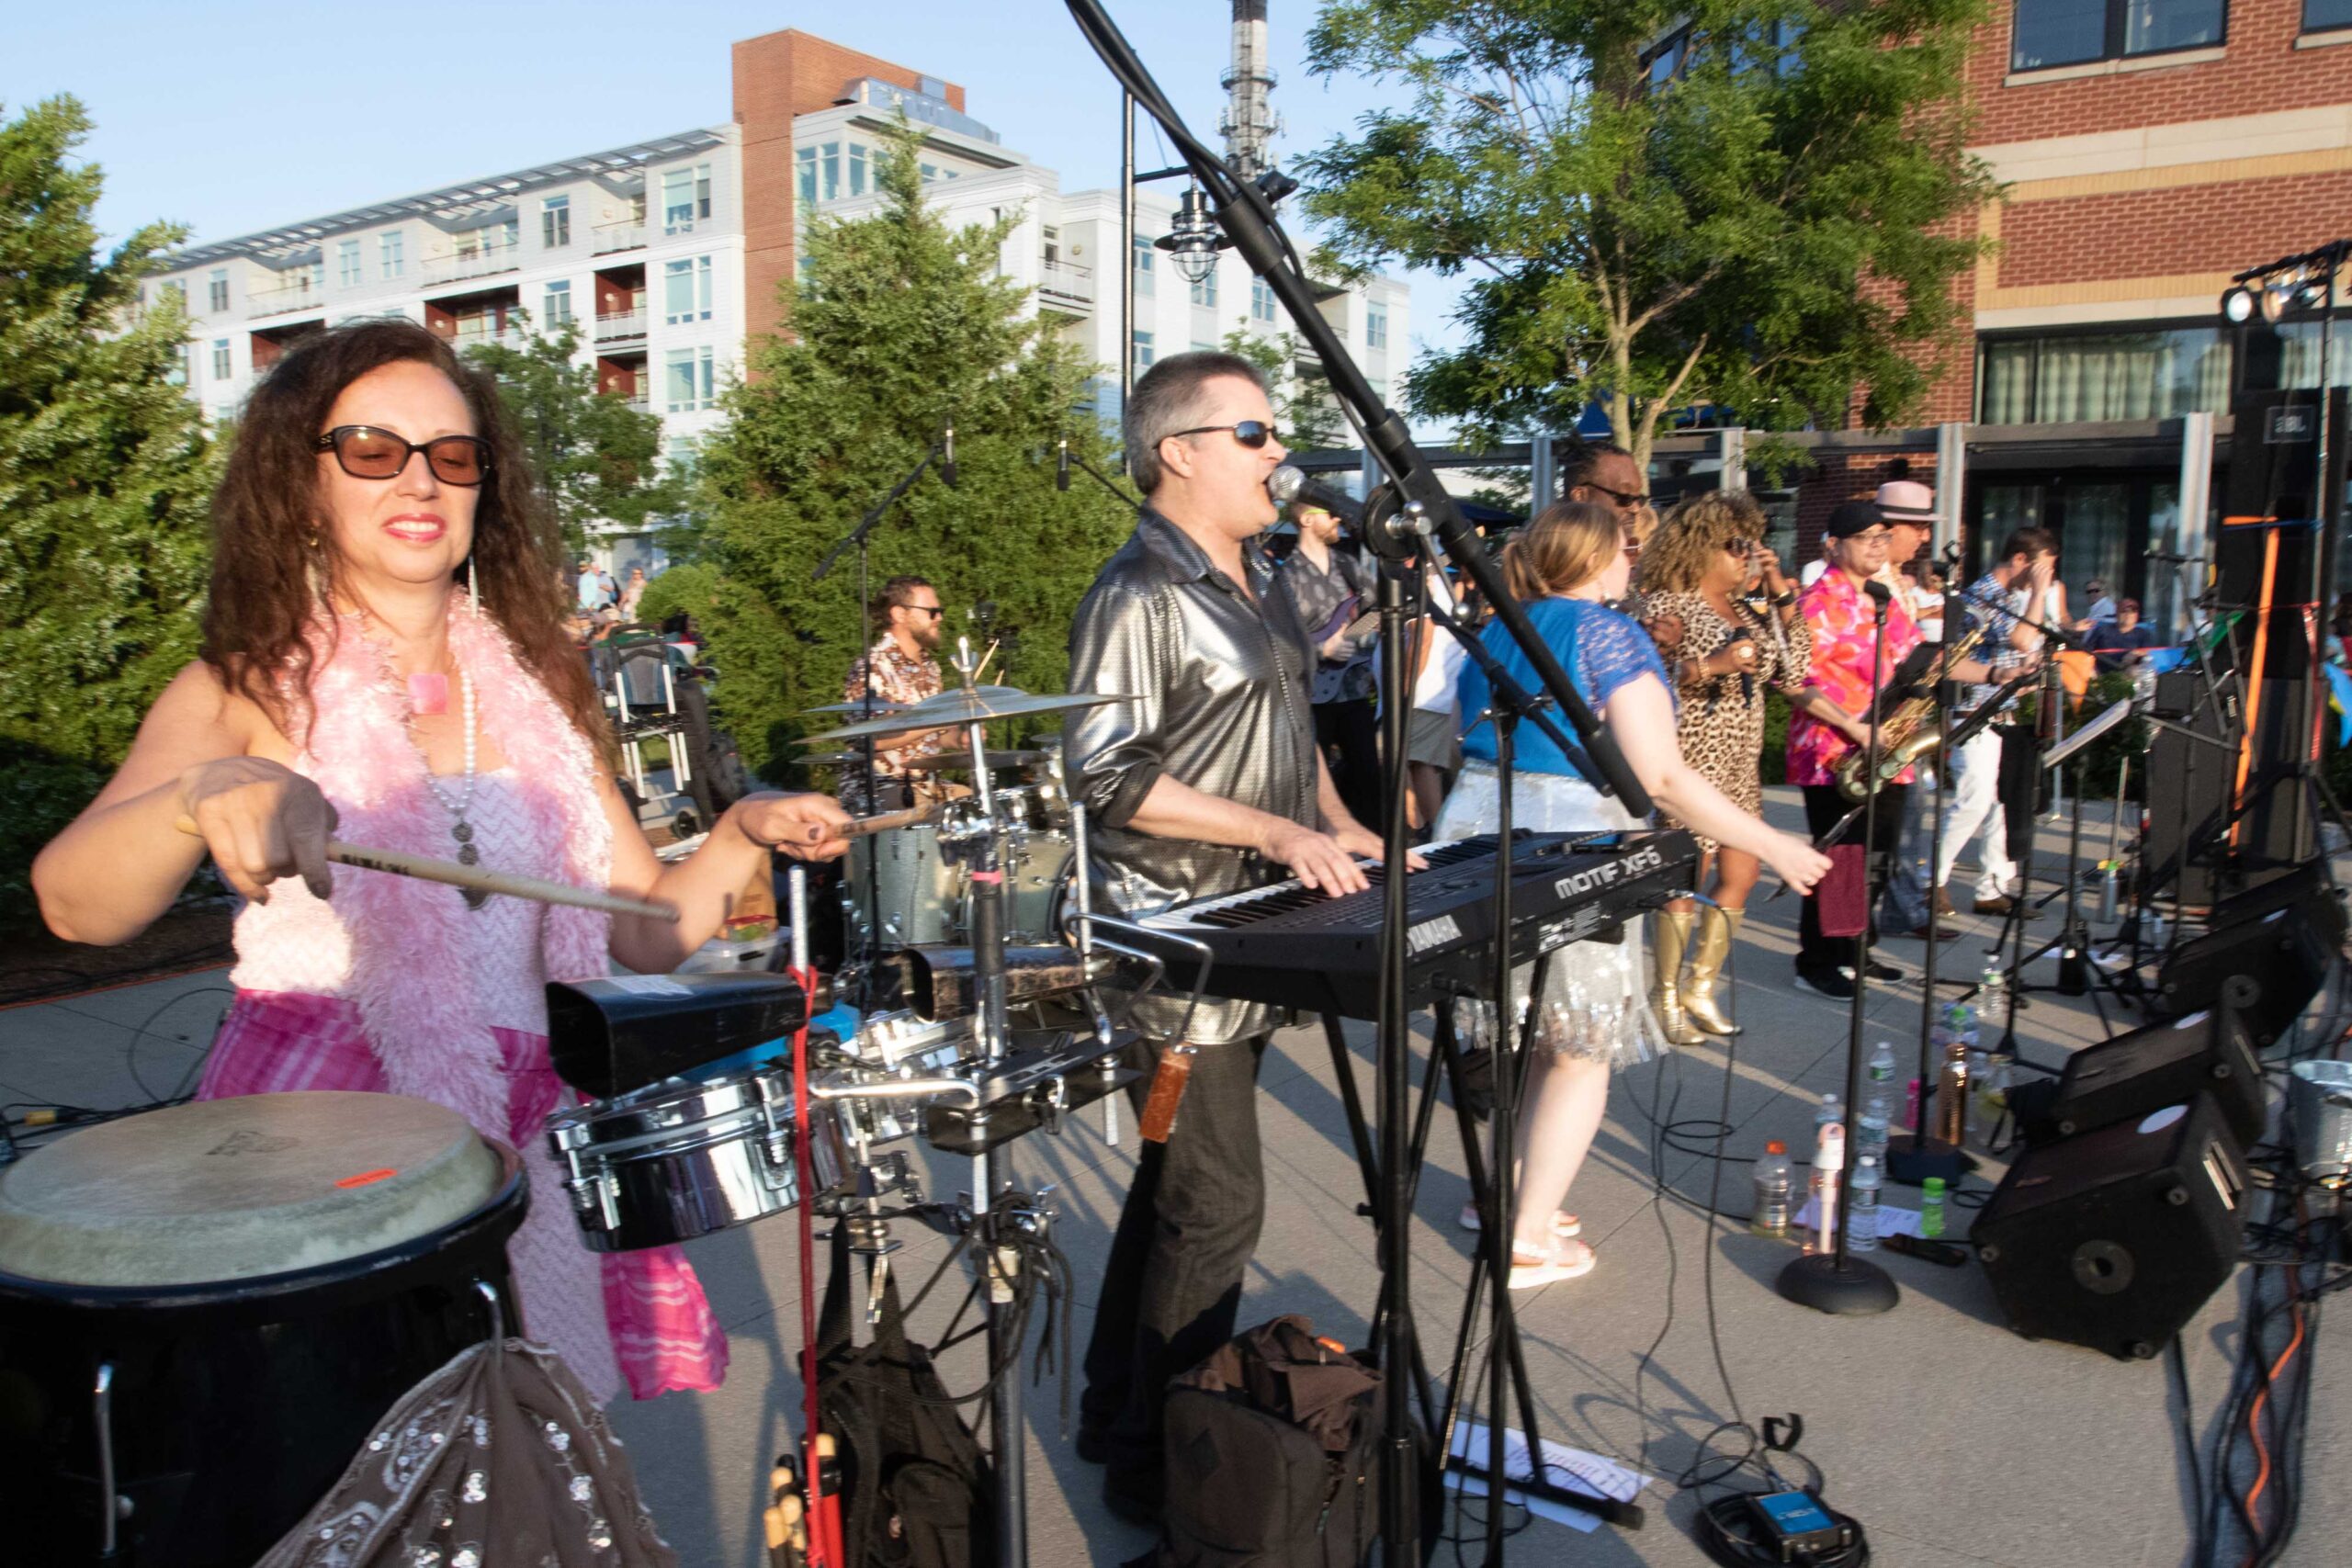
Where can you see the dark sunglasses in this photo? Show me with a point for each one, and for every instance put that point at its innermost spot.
(934, 611)
(1620, 497)
(1250, 433)
(365, 451)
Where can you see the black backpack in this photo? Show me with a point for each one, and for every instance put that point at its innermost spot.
(1271, 1456)
(914, 1484)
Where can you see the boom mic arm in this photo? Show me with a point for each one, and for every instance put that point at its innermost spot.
(1248, 219)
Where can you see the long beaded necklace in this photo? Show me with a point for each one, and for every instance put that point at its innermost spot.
(459, 828)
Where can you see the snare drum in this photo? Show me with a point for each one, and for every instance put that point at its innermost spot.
(912, 888)
(678, 1160)
(204, 1310)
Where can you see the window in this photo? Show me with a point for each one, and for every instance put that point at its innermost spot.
(490, 239)
(390, 253)
(216, 289)
(685, 196)
(1053, 243)
(1261, 300)
(2072, 32)
(1205, 291)
(2151, 373)
(557, 310)
(346, 263)
(685, 291)
(1143, 353)
(688, 379)
(1665, 63)
(555, 222)
(857, 168)
(177, 375)
(1142, 254)
(1375, 325)
(804, 164)
(221, 360)
(829, 165)
(929, 172)
(2320, 16)
(177, 288)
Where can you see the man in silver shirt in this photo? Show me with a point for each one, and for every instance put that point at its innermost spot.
(1208, 782)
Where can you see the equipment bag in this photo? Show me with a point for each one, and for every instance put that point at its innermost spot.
(1271, 1456)
(914, 1484)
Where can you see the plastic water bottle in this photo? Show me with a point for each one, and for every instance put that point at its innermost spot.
(1775, 1183)
(1931, 1207)
(1992, 999)
(1992, 1098)
(1832, 1112)
(1861, 1234)
(1870, 1122)
(1829, 1164)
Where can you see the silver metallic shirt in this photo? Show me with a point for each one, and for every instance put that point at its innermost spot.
(1220, 703)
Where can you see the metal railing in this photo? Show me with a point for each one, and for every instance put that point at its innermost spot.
(620, 324)
(284, 297)
(607, 238)
(1066, 280)
(478, 262)
(464, 336)
(642, 401)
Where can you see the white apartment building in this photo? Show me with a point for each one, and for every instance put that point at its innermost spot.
(667, 265)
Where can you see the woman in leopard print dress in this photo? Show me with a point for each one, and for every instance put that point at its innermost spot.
(1696, 576)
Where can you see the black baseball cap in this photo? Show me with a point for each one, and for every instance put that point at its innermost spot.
(1853, 517)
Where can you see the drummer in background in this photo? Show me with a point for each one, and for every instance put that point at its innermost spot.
(1207, 782)
(902, 670)
(384, 660)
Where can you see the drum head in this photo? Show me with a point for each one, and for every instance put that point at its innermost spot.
(238, 1189)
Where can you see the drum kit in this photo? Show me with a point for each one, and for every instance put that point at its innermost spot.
(207, 1306)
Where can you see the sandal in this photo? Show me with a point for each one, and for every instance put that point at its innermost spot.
(1564, 1226)
(1564, 1260)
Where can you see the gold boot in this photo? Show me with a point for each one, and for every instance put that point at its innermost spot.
(1672, 938)
(1717, 931)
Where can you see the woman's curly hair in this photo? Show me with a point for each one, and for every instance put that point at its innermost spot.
(1678, 556)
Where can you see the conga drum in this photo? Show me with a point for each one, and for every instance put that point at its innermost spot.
(204, 1310)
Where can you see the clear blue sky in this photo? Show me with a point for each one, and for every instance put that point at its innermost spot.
(232, 118)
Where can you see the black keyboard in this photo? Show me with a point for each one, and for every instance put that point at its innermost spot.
(1293, 947)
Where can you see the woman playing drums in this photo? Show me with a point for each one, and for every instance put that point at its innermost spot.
(384, 658)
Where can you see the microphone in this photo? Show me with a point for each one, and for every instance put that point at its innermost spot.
(1061, 466)
(1288, 485)
(1747, 681)
(948, 459)
(1881, 594)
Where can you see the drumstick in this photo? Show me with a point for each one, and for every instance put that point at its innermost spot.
(425, 868)
(867, 827)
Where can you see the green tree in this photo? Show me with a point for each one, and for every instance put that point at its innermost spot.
(104, 478)
(1752, 203)
(1307, 418)
(898, 326)
(598, 459)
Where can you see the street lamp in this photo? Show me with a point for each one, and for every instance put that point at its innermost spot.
(1193, 238)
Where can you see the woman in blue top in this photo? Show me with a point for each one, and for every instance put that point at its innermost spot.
(1565, 566)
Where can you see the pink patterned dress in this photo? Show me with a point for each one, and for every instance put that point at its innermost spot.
(394, 985)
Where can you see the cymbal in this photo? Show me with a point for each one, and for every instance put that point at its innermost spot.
(833, 760)
(1008, 758)
(959, 707)
(857, 706)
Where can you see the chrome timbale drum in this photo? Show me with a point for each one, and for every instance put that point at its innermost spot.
(679, 1160)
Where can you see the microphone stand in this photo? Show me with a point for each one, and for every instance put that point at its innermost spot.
(857, 536)
(1835, 1281)
(1061, 478)
(1398, 523)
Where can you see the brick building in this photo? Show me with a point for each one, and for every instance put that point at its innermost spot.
(2151, 149)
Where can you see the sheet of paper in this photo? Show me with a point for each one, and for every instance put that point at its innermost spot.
(649, 986)
(1569, 1468)
(1892, 1219)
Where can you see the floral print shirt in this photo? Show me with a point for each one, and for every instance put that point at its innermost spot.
(898, 678)
(1844, 631)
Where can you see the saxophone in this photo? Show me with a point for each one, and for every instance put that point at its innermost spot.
(1909, 730)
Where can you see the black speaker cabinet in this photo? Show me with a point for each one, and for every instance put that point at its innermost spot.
(2113, 1239)
(2166, 1064)
(2282, 937)
(2274, 454)
(2188, 785)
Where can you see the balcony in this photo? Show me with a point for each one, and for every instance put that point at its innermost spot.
(618, 326)
(607, 238)
(468, 335)
(299, 295)
(1065, 287)
(480, 262)
(641, 401)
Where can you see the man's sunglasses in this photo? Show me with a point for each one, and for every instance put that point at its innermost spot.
(1622, 498)
(367, 453)
(934, 611)
(1251, 433)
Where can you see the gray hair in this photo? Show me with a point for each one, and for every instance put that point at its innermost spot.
(1167, 398)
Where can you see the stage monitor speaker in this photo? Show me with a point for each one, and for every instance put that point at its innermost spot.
(2113, 1239)
(2282, 937)
(2124, 1078)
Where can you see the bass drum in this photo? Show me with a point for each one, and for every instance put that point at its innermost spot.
(204, 1310)
(904, 879)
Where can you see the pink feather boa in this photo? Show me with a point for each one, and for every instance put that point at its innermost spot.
(410, 942)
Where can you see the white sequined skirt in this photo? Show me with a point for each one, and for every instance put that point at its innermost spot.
(1595, 997)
